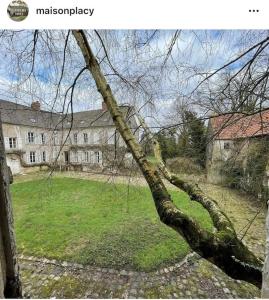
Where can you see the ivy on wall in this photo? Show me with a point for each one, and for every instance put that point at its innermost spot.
(248, 172)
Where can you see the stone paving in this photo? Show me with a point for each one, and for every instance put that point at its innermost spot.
(194, 277)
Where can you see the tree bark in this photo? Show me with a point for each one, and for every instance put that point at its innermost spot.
(10, 285)
(265, 282)
(222, 248)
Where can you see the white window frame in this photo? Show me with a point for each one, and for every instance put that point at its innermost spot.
(85, 138)
(12, 142)
(98, 157)
(44, 156)
(86, 156)
(32, 157)
(43, 138)
(31, 137)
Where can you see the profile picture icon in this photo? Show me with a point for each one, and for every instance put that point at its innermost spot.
(18, 10)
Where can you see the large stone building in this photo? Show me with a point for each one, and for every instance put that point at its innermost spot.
(232, 138)
(85, 141)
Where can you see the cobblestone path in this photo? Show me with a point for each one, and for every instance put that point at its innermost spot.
(192, 278)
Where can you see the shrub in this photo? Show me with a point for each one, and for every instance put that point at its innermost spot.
(248, 174)
(183, 165)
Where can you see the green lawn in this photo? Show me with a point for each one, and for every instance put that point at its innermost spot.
(97, 223)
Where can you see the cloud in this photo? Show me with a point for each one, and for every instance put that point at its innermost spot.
(136, 55)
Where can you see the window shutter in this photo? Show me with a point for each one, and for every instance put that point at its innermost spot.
(6, 139)
(71, 156)
(80, 157)
(26, 139)
(27, 154)
(35, 139)
(19, 143)
(90, 157)
(38, 158)
(39, 139)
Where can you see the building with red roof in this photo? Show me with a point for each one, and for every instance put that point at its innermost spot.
(230, 136)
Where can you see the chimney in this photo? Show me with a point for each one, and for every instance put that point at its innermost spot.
(35, 105)
(104, 108)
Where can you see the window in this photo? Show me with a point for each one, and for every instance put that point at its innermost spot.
(95, 138)
(226, 145)
(75, 156)
(43, 139)
(75, 138)
(111, 137)
(97, 157)
(32, 157)
(12, 143)
(86, 156)
(31, 137)
(85, 135)
(55, 154)
(55, 138)
(43, 156)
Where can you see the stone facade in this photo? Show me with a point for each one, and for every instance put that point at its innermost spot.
(232, 142)
(84, 145)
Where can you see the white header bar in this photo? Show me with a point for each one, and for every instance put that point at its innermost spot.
(140, 14)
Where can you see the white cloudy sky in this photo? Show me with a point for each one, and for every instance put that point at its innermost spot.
(136, 55)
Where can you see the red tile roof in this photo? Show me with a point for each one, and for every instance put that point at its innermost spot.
(238, 125)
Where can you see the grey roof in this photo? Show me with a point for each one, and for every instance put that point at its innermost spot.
(14, 113)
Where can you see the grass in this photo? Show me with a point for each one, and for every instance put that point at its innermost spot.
(90, 222)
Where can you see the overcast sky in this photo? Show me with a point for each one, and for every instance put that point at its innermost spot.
(141, 57)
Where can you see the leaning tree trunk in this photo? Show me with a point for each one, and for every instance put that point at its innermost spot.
(265, 282)
(10, 285)
(222, 248)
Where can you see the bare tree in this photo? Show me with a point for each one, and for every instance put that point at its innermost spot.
(141, 83)
(223, 248)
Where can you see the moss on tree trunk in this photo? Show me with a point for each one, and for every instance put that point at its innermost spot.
(222, 248)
